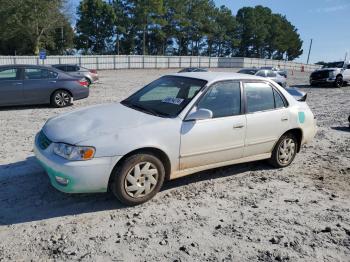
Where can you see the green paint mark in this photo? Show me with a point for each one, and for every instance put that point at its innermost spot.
(53, 173)
(68, 188)
(301, 116)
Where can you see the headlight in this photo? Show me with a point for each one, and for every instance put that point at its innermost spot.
(331, 74)
(74, 152)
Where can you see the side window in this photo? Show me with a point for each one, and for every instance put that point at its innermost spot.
(62, 68)
(261, 73)
(279, 102)
(8, 74)
(271, 74)
(223, 99)
(71, 68)
(259, 97)
(36, 73)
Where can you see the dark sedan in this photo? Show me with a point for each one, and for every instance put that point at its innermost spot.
(31, 84)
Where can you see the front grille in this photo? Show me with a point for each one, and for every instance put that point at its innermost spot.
(320, 75)
(43, 141)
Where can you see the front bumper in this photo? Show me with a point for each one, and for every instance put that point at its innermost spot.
(90, 176)
(322, 81)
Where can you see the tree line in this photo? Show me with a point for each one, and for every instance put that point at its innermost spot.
(148, 27)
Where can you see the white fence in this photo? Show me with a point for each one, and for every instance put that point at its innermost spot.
(105, 62)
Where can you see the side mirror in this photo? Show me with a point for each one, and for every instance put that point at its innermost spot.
(200, 114)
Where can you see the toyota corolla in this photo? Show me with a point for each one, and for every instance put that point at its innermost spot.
(177, 125)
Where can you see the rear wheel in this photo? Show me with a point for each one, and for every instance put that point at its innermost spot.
(61, 98)
(284, 152)
(138, 179)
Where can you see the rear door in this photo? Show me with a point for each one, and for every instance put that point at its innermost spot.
(267, 117)
(38, 85)
(11, 86)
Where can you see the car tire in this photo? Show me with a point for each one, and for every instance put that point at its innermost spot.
(284, 151)
(61, 98)
(339, 82)
(135, 176)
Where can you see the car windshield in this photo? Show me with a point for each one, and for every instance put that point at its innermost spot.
(166, 96)
(334, 65)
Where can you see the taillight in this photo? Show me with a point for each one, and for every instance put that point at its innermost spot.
(94, 71)
(83, 83)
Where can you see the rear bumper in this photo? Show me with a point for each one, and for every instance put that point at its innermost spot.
(90, 176)
(81, 93)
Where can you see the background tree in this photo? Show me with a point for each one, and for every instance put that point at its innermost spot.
(95, 26)
(29, 25)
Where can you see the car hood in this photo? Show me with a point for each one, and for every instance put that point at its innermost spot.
(83, 124)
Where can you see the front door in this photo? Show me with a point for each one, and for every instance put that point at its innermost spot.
(11, 86)
(219, 139)
(267, 117)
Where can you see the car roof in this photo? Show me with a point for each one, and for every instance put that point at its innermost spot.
(25, 65)
(65, 65)
(218, 76)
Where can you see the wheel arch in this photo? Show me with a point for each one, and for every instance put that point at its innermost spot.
(163, 157)
(298, 133)
(59, 89)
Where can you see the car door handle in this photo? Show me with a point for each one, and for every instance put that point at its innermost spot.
(52, 82)
(17, 84)
(240, 125)
(284, 119)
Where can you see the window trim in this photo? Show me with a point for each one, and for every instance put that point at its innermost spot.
(273, 88)
(206, 89)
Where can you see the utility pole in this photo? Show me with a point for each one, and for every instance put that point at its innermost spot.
(308, 56)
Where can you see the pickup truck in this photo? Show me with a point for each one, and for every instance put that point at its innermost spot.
(336, 74)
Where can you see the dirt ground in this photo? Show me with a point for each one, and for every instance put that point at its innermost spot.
(247, 212)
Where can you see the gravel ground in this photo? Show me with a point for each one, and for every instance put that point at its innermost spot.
(247, 212)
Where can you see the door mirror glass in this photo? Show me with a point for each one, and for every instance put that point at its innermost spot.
(200, 114)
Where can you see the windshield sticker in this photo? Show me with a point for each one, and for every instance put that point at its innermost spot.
(173, 100)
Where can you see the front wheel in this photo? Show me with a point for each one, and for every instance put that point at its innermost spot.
(339, 81)
(61, 98)
(138, 179)
(284, 152)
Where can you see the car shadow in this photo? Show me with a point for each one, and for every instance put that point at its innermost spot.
(27, 196)
(341, 128)
(24, 107)
(317, 87)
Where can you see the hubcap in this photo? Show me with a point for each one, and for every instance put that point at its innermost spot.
(141, 180)
(286, 151)
(62, 98)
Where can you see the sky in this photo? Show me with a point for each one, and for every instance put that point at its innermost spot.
(327, 22)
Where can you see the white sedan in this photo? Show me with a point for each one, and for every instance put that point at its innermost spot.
(175, 126)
